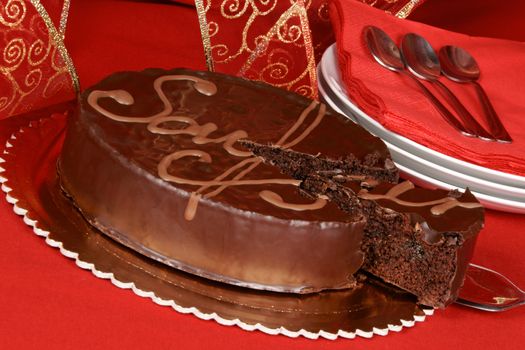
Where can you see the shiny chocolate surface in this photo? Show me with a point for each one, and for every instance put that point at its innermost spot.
(30, 172)
(150, 160)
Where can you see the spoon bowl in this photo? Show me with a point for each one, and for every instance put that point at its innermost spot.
(420, 57)
(423, 62)
(489, 290)
(458, 65)
(383, 49)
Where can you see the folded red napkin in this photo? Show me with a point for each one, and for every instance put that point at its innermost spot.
(399, 105)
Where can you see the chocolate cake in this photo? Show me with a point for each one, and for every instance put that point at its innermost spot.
(417, 239)
(412, 239)
(151, 159)
(244, 183)
(300, 165)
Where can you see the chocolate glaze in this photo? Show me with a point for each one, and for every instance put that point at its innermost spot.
(30, 170)
(407, 216)
(110, 170)
(151, 159)
(457, 227)
(464, 222)
(299, 165)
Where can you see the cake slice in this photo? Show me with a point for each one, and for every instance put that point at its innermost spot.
(299, 165)
(418, 239)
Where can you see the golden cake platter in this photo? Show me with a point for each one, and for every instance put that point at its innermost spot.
(30, 182)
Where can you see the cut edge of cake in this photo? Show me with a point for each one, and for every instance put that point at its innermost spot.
(394, 245)
(300, 165)
(401, 248)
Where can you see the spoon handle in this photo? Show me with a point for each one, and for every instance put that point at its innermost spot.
(468, 120)
(497, 128)
(445, 113)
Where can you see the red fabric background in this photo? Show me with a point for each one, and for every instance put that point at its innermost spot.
(491, 18)
(48, 302)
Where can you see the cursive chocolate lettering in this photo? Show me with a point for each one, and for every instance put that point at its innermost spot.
(200, 135)
(191, 208)
(277, 200)
(443, 208)
(440, 206)
(123, 97)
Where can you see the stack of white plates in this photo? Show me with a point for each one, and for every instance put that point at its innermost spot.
(420, 164)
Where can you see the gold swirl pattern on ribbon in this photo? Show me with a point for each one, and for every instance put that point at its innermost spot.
(35, 68)
(265, 40)
(277, 66)
(277, 42)
(407, 9)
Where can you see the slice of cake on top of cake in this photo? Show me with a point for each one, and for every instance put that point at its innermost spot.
(297, 164)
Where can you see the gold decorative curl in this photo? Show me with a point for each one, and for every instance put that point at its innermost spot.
(59, 41)
(35, 67)
(14, 12)
(14, 54)
(239, 35)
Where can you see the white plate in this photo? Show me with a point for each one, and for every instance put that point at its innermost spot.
(328, 70)
(487, 200)
(437, 171)
(422, 178)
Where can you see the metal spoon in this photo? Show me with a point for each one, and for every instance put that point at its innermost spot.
(387, 54)
(488, 290)
(458, 65)
(422, 61)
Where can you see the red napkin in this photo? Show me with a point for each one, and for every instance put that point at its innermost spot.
(399, 105)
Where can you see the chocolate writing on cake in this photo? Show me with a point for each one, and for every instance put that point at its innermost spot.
(439, 206)
(200, 135)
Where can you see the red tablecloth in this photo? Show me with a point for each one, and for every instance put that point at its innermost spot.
(48, 302)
